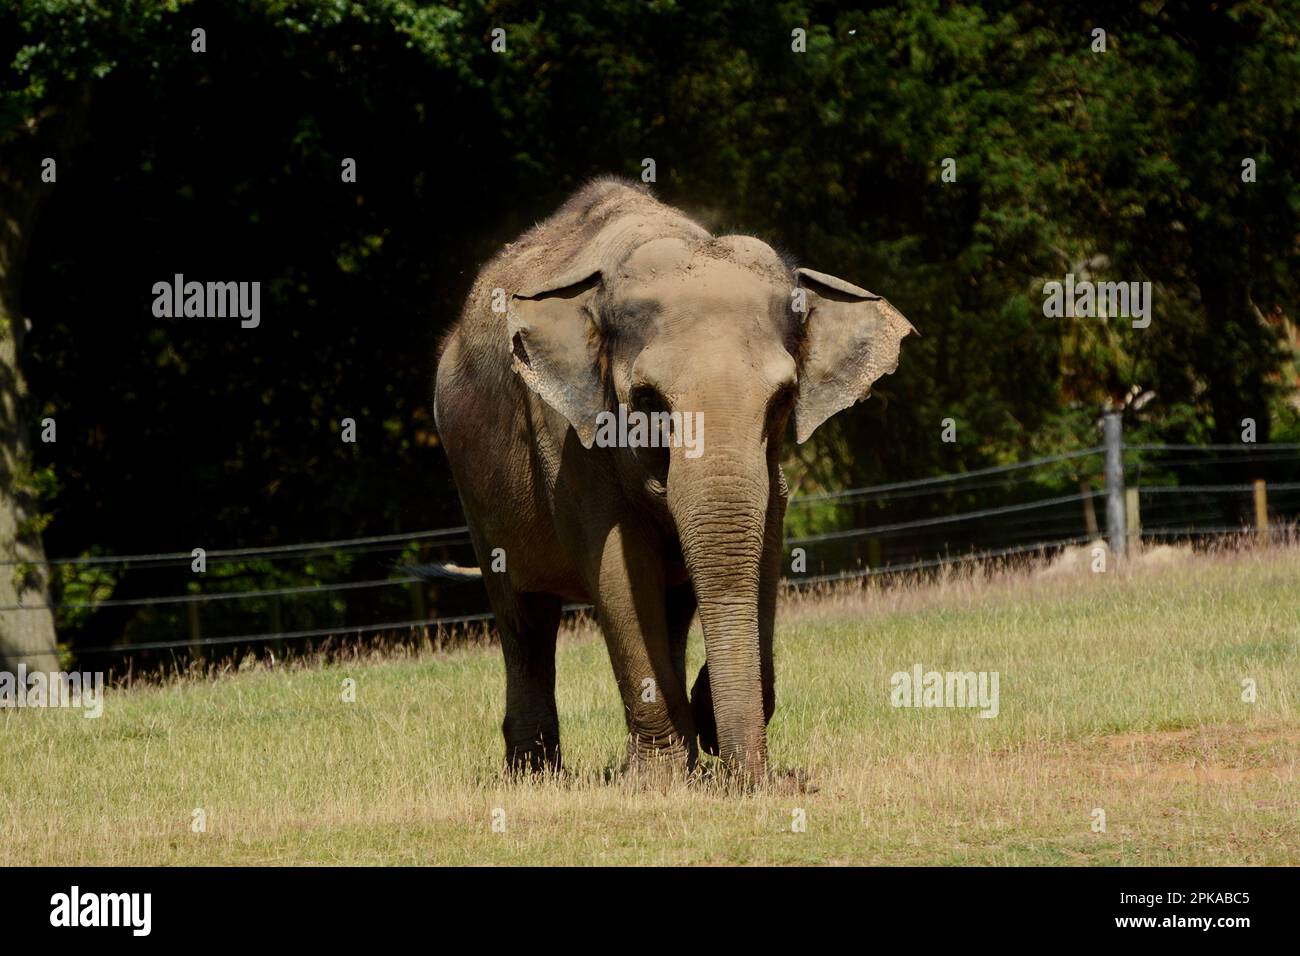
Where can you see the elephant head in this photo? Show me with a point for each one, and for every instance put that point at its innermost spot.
(721, 329)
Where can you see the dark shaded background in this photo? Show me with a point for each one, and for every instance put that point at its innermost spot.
(225, 165)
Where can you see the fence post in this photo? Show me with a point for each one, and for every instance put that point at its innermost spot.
(196, 634)
(1261, 509)
(277, 627)
(418, 608)
(1089, 511)
(1133, 516)
(1113, 438)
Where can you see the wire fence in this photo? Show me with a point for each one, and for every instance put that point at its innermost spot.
(1039, 526)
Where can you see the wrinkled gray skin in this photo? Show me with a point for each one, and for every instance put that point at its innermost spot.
(620, 299)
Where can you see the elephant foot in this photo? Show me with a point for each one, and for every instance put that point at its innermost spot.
(658, 762)
(533, 762)
(702, 711)
(534, 753)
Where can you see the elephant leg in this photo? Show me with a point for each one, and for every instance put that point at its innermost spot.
(528, 624)
(631, 610)
(679, 613)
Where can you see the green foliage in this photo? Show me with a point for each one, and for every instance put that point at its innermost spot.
(65, 42)
(38, 484)
(1124, 164)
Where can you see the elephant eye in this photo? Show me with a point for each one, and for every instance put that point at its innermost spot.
(654, 458)
(646, 398)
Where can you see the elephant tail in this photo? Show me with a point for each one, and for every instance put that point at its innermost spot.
(443, 572)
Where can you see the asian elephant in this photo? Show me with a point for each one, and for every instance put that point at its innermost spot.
(620, 304)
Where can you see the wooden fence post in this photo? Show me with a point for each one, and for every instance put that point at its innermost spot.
(277, 627)
(1089, 511)
(192, 610)
(1134, 519)
(1261, 509)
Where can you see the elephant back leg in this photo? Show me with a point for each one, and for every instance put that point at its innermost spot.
(528, 624)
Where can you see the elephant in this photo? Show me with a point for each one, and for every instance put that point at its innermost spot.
(620, 303)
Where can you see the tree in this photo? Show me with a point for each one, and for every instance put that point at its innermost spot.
(174, 434)
(35, 140)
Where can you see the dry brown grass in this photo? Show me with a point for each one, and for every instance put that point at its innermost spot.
(1120, 692)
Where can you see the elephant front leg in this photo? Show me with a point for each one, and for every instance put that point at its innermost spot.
(630, 607)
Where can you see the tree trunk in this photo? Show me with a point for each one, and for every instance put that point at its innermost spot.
(27, 634)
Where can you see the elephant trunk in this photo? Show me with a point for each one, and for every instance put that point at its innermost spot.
(719, 503)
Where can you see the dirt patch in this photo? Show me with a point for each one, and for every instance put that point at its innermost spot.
(1200, 738)
(1221, 755)
(1076, 560)
(1204, 755)
(1163, 555)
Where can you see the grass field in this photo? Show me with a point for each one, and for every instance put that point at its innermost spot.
(1120, 692)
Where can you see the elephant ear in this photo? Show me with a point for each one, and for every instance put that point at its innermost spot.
(851, 338)
(554, 344)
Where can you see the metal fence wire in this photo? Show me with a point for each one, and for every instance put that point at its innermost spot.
(1156, 507)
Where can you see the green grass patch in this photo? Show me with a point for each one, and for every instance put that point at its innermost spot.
(1119, 692)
